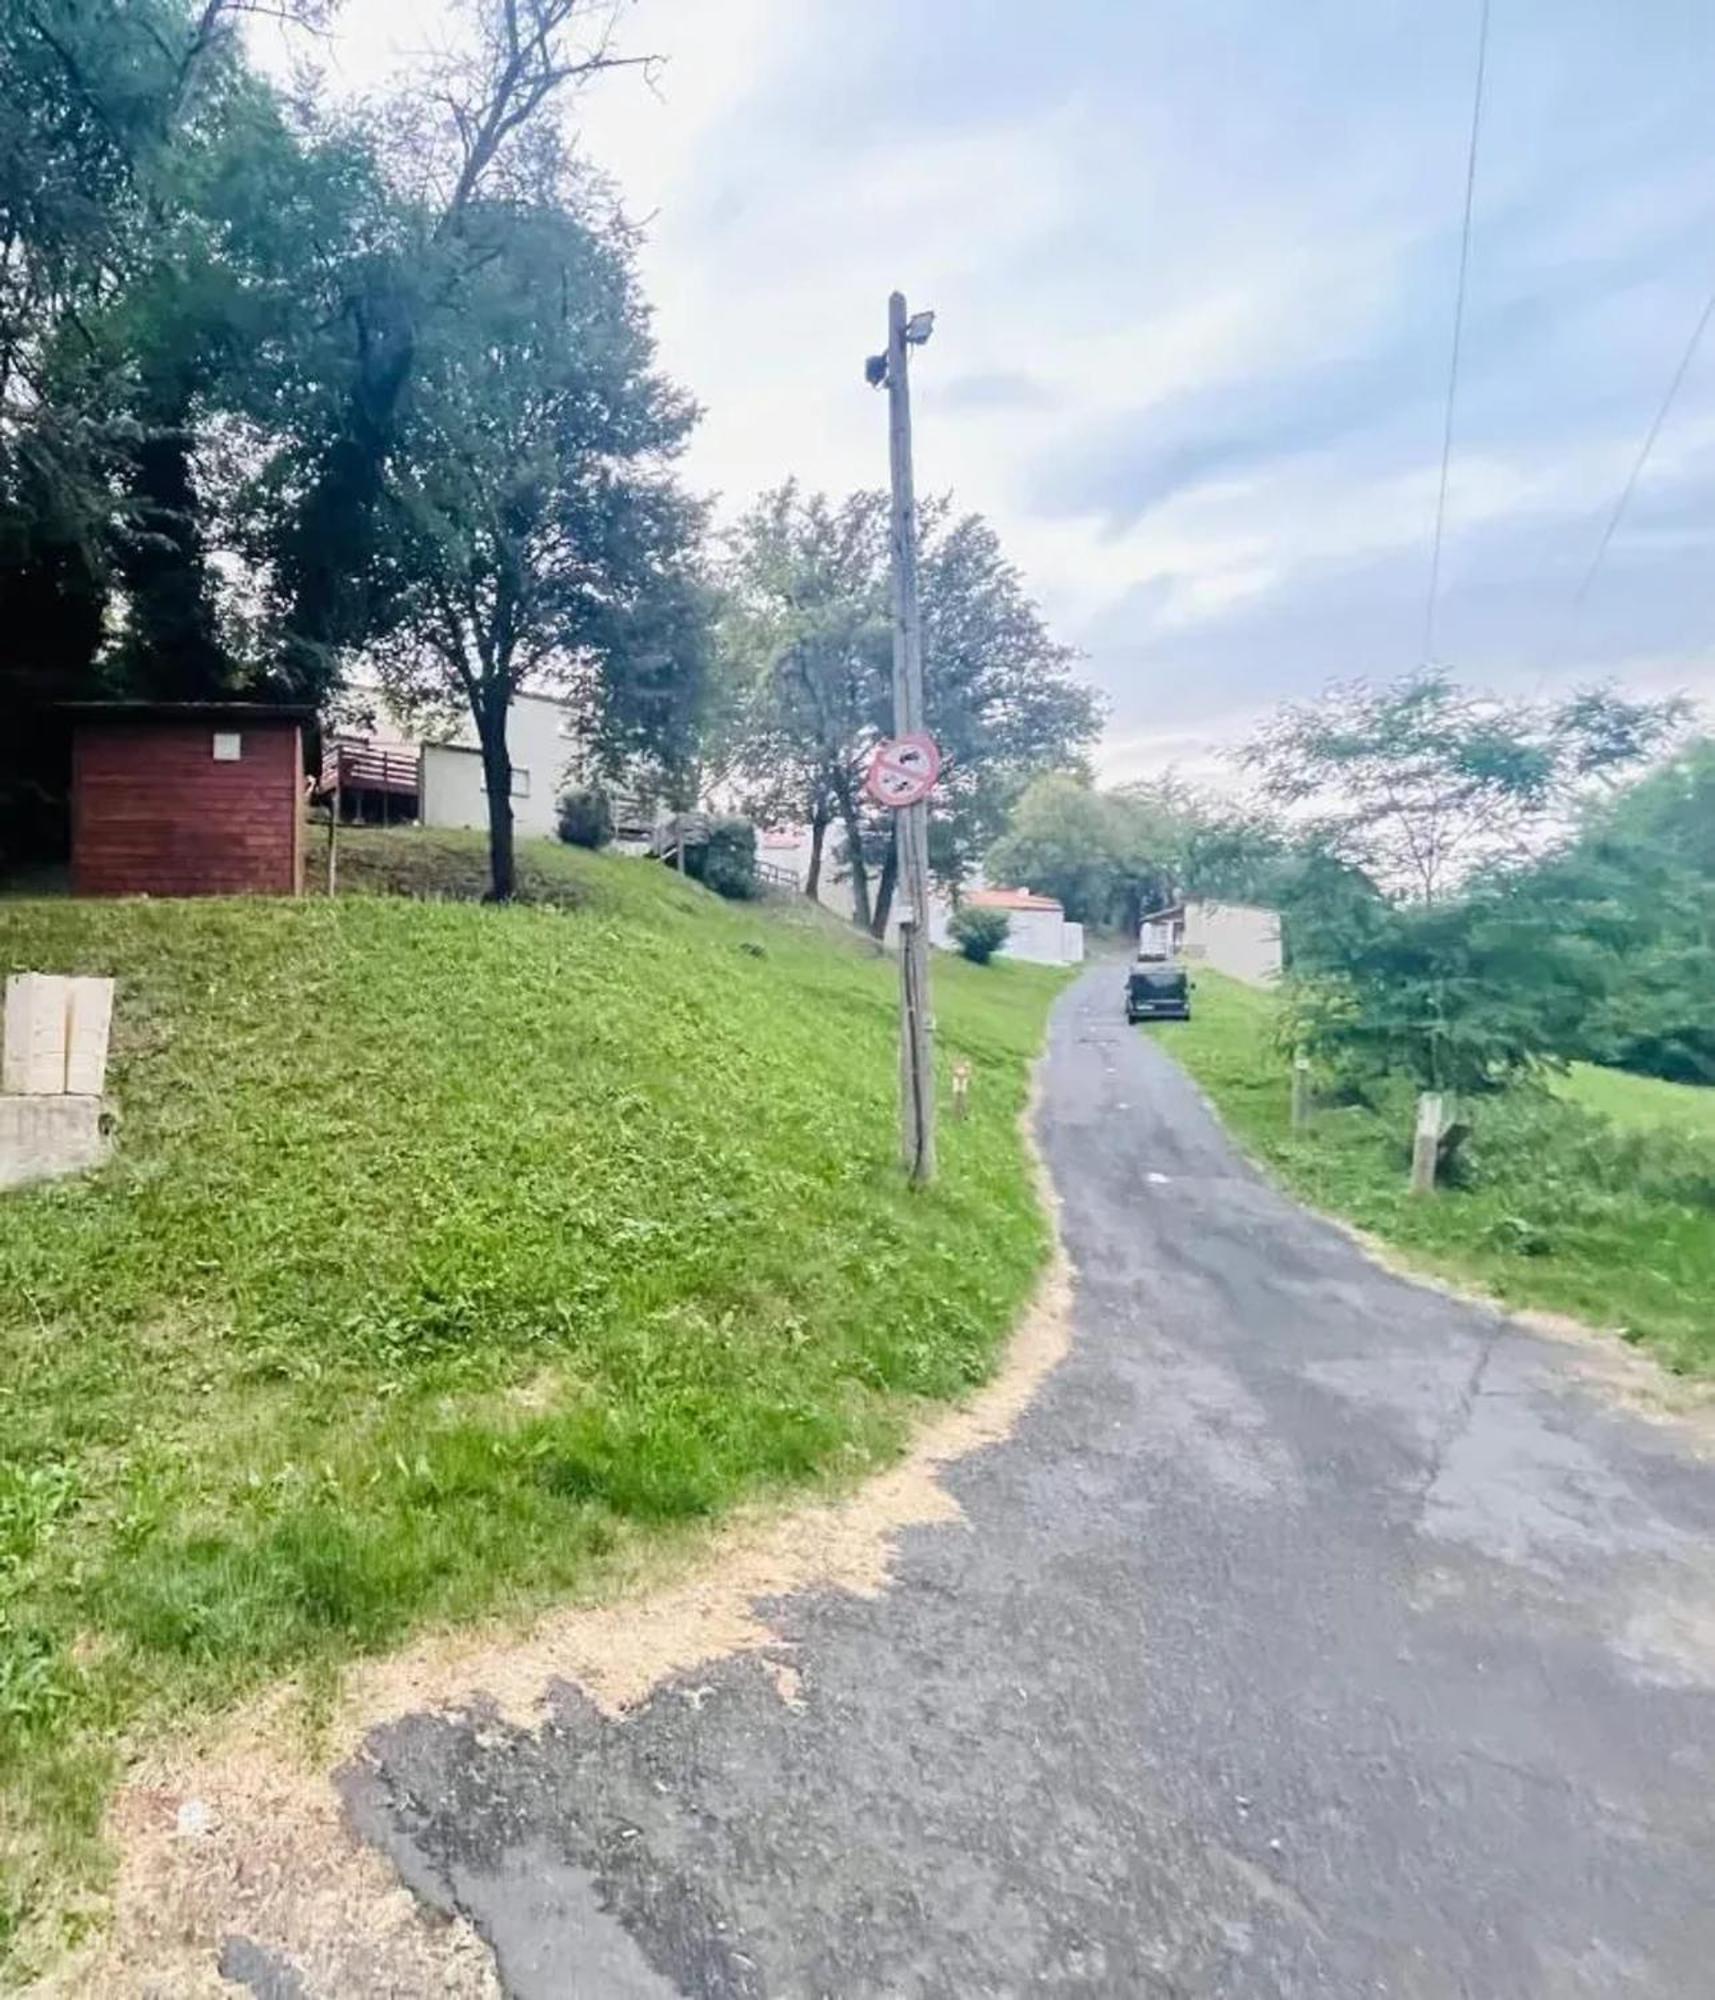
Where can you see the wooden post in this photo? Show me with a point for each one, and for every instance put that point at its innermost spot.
(1300, 1091)
(916, 1046)
(333, 826)
(1426, 1143)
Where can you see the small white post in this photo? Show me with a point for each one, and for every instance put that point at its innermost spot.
(1426, 1143)
(1300, 1091)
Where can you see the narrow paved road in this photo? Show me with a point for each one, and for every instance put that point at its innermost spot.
(1314, 1635)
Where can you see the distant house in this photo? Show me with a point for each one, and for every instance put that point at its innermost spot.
(1239, 939)
(187, 799)
(542, 737)
(1037, 927)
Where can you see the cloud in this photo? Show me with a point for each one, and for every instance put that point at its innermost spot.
(1193, 269)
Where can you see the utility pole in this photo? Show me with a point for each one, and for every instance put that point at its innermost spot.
(916, 1046)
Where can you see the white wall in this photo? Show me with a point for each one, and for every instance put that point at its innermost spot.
(536, 737)
(1234, 938)
(1036, 936)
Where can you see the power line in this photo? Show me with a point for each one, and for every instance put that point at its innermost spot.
(1644, 450)
(1458, 332)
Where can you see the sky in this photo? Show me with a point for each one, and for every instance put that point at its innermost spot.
(1194, 264)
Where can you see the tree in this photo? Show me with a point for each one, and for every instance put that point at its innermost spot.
(806, 636)
(1639, 877)
(1421, 782)
(1460, 996)
(808, 639)
(150, 187)
(1060, 843)
(476, 126)
(532, 528)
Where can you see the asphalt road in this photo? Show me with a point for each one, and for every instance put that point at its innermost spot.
(1315, 1634)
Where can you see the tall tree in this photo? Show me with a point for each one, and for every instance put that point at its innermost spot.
(532, 529)
(808, 622)
(476, 125)
(806, 634)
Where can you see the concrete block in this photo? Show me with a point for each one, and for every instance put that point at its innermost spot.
(38, 1012)
(89, 1016)
(42, 1137)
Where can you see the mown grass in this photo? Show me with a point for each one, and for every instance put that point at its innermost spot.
(1560, 1207)
(1640, 1103)
(450, 1258)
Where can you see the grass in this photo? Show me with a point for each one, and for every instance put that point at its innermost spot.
(450, 1260)
(1640, 1103)
(1564, 1206)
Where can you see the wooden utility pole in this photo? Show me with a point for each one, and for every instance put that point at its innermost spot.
(916, 1047)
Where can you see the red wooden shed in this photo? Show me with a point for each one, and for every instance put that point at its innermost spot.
(187, 799)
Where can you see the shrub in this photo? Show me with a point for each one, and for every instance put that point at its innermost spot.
(586, 816)
(727, 862)
(979, 933)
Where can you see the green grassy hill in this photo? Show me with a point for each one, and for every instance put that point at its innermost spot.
(450, 1255)
(1640, 1103)
(1584, 1204)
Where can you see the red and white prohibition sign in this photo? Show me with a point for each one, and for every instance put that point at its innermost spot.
(903, 772)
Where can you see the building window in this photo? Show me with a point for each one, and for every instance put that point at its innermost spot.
(228, 746)
(520, 782)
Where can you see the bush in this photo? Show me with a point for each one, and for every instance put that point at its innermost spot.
(586, 817)
(727, 863)
(979, 933)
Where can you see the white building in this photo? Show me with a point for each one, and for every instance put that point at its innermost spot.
(542, 737)
(1239, 939)
(1037, 930)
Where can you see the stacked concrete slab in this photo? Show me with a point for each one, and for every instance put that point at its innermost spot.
(53, 1070)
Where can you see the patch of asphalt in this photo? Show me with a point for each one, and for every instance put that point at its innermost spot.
(1314, 1634)
(263, 1973)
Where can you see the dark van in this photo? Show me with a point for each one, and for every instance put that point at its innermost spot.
(1158, 990)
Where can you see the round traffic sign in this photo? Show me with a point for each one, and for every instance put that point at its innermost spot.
(903, 772)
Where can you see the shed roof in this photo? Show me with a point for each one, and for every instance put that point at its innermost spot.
(1012, 899)
(191, 711)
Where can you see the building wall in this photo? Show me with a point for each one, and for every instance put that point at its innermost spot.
(1036, 936)
(453, 789)
(1234, 938)
(155, 814)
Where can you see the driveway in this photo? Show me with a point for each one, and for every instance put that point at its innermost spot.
(1314, 1634)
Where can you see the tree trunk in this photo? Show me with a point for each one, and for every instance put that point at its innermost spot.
(854, 852)
(884, 892)
(818, 840)
(497, 778)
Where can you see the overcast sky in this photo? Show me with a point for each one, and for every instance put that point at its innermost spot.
(1193, 263)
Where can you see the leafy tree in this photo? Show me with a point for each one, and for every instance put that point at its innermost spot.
(806, 639)
(808, 631)
(1462, 997)
(1640, 878)
(1421, 782)
(1059, 844)
(999, 696)
(533, 529)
